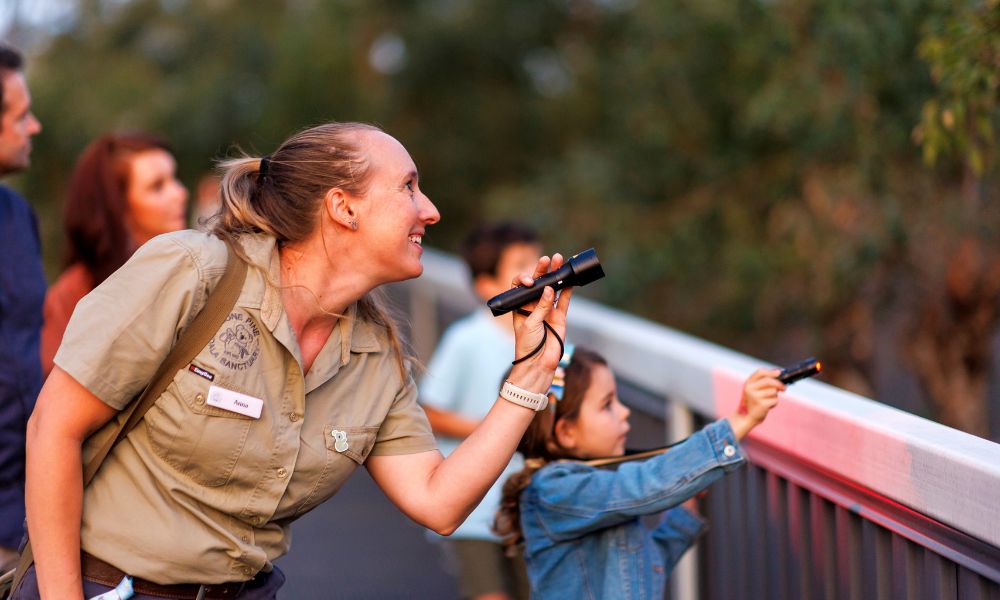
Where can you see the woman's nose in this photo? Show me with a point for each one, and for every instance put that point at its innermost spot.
(429, 213)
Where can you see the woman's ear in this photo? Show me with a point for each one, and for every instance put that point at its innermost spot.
(340, 207)
(566, 433)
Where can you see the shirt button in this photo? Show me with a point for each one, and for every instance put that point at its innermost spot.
(200, 398)
(282, 472)
(255, 520)
(246, 570)
(293, 417)
(729, 451)
(246, 539)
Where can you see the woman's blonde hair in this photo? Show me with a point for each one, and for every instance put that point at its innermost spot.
(282, 195)
(539, 445)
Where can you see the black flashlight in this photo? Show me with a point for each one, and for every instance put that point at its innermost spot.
(579, 270)
(806, 368)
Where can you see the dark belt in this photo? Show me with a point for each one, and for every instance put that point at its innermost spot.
(98, 571)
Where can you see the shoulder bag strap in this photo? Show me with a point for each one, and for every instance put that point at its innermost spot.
(192, 340)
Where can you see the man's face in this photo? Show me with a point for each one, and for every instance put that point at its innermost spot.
(17, 124)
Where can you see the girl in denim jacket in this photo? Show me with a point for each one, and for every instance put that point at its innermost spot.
(579, 524)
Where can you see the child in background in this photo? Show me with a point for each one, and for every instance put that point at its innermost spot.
(579, 524)
(460, 387)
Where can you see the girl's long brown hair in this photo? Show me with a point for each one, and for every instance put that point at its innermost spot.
(539, 445)
(97, 202)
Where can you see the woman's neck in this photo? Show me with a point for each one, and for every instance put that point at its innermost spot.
(315, 289)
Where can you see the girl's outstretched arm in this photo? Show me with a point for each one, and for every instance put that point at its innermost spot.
(574, 499)
(578, 499)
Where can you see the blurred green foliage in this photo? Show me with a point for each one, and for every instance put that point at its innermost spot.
(750, 171)
(963, 52)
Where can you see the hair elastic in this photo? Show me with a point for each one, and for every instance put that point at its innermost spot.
(265, 163)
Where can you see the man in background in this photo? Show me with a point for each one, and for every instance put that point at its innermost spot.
(22, 294)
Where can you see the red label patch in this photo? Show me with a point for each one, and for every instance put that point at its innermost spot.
(201, 372)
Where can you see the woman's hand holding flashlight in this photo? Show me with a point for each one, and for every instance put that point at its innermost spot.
(535, 373)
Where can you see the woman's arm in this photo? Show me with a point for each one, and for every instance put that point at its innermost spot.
(65, 414)
(440, 493)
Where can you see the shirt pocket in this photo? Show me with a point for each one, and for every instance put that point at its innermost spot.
(198, 440)
(355, 443)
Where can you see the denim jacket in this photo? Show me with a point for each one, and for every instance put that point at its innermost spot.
(583, 536)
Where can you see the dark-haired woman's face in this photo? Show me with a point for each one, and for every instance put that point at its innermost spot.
(156, 199)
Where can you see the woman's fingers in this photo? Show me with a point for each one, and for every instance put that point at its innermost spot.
(562, 306)
(543, 266)
(542, 308)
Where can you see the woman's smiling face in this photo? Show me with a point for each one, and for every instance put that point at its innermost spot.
(395, 212)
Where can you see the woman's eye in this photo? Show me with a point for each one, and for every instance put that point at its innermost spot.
(409, 186)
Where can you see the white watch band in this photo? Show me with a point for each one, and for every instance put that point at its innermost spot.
(522, 397)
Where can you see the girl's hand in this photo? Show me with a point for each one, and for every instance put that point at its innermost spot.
(760, 395)
(535, 374)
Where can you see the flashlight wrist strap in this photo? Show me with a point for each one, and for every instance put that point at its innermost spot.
(545, 337)
(522, 397)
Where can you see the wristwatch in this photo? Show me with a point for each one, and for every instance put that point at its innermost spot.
(522, 397)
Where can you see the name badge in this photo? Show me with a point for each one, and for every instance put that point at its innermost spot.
(234, 401)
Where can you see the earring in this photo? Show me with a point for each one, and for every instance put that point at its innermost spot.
(354, 225)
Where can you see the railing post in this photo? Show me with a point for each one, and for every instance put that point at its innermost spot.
(684, 579)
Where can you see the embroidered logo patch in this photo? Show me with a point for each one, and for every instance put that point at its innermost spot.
(237, 344)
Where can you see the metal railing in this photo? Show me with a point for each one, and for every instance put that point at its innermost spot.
(844, 497)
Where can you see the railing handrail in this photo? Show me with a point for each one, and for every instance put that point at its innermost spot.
(944, 473)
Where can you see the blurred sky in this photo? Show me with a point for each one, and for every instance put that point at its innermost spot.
(46, 16)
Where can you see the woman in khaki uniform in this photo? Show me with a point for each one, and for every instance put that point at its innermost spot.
(304, 382)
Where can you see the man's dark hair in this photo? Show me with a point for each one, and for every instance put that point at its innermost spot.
(10, 60)
(483, 247)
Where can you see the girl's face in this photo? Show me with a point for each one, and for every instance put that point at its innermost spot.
(396, 213)
(156, 199)
(602, 423)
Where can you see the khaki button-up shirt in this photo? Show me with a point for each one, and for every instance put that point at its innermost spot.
(198, 493)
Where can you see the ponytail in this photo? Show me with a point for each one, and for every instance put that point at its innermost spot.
(238, 213)
(284, 197)
(508, 519)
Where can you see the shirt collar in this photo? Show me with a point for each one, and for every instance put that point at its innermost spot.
(355, 335)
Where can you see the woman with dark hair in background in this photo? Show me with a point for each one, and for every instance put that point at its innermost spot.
(123, 192)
